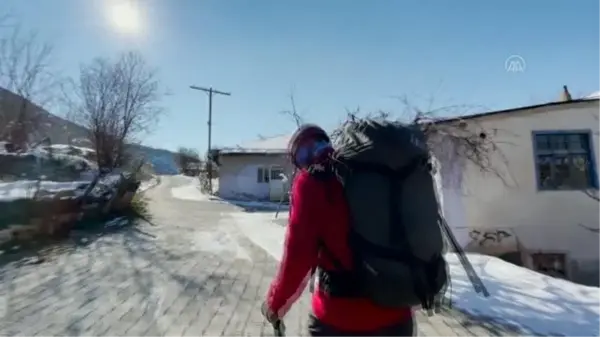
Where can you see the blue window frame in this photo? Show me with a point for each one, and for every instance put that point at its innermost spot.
(564, 160)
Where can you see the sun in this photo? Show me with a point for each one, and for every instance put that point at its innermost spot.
(125, 17)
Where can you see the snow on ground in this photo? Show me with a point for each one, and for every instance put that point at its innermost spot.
(63, 153)
(221, 241)
(535, 302)
(68, 147)
(147, 184)
(42, 154)
(594, 95)
(27, 188)
(261, 230)
(190, 191)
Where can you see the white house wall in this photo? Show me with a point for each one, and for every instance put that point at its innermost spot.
(538, 220)
(238, 175)
(449, 181)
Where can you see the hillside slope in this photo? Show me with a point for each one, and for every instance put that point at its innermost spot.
(60, 130)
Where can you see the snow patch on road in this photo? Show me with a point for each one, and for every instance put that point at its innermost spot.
(260, 229)
(535, 302)
(190, 191)
(147, 184)
(221, 241)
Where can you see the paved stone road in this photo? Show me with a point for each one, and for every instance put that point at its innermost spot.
(188, 272)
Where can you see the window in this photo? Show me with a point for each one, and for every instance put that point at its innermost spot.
(552, 264)
(266, 174)
(564, 161)
(276, 173)
(262, 175)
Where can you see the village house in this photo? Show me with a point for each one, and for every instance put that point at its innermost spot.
(257, 170)
(542, 212)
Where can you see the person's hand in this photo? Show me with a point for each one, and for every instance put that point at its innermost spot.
(270, 316)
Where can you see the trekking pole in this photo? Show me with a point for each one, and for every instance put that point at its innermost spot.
(279, 205)
(284, 179)
(279, 328)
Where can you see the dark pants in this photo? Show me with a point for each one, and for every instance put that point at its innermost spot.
(317, 328)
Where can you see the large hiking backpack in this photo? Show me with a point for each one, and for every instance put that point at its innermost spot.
(396, 233)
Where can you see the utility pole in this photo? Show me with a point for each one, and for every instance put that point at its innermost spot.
(210, 92)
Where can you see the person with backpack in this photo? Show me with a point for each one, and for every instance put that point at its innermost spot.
(349, 232)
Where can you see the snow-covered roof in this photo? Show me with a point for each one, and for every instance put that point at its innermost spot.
(594, 95)
(275, 145)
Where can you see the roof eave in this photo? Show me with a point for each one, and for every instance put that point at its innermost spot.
(512, 110)
(251, 153)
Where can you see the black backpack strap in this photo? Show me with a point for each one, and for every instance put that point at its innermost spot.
(331, 257)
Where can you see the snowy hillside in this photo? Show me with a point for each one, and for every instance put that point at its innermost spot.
(62, 131)
(162, 161)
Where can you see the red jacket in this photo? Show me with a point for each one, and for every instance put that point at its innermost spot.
(319, 210)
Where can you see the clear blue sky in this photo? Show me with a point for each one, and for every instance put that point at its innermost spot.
(336, 54)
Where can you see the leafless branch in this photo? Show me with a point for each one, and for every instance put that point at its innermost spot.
(592, 194)
(593, 230)
(296, 117)
(118, 101)
(26, 80)
(456, 138)
(186, 156)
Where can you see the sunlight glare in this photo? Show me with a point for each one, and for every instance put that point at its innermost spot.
(125, 17)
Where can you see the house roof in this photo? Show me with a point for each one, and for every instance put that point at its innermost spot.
(522, 109)
(268, 145)
(594, 95)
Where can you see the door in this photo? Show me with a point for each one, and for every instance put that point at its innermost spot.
(262, 186)
(277, 183)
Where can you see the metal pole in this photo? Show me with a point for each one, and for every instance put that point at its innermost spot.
(210, 91)
(209, 163)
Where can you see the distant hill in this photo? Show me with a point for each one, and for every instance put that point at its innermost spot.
(59, 130)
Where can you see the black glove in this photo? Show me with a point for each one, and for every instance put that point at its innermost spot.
(270, 316)
(279, 328)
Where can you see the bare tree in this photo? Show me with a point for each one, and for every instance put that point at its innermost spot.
(455, 137)
(186, 156)
(592, 194)
(118, 102)
(293, 113)
(26, 82)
